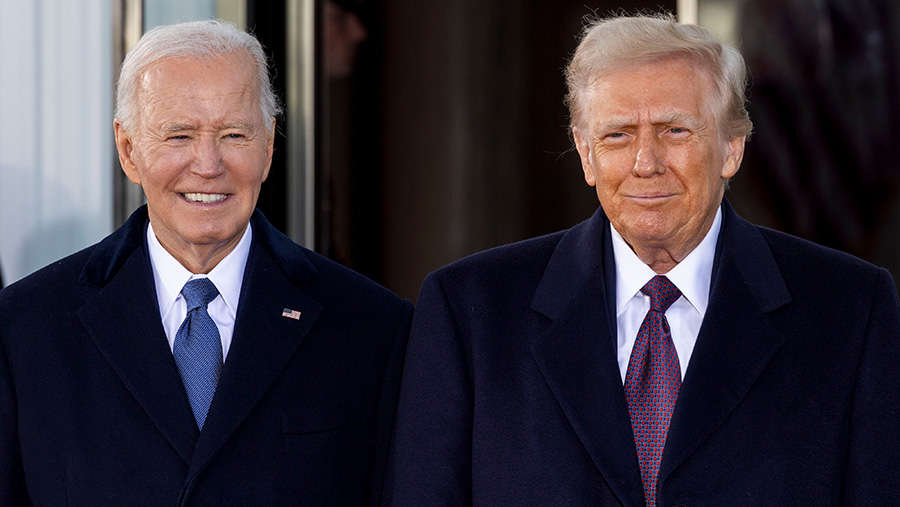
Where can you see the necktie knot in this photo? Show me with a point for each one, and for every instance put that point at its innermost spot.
(199, 292)
(662, 293)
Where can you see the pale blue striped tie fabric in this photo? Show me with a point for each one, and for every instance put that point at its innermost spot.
(198, 349)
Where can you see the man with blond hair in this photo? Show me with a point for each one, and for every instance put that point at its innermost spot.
(664, 352)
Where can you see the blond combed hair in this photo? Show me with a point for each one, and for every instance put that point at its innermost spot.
(609, 44)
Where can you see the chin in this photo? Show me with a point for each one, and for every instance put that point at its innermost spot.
(652, 233)
(210, 234)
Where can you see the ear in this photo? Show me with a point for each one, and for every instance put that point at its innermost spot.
(584, 151)
(270, 147)
(733, 156)
(125, 147)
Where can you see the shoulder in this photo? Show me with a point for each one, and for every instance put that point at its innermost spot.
(829, 283)
(53, 282)
(502, 266)
(801, 260)
(780, 267)
(342, 282)
(313, 271)
(340, 290)
(567, 255)
(492, 286)
(44, 303)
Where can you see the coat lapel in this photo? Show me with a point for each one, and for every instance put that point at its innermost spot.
(264, 340)
(577, 355)
(578, 358)
(123, 321)
(735, 343)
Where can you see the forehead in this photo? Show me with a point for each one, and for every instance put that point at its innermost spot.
(677, 85)
(202, 83)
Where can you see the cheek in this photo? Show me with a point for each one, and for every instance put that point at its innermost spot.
(690, 157)
(706, 186)
(606, 187)
(693, 167)
(248, 165)
(611, 169)
(162, 174)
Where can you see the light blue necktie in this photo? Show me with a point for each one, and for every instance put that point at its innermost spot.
(198, 349)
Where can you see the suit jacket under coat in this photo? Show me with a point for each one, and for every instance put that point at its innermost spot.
(93, 411)
(512, 394)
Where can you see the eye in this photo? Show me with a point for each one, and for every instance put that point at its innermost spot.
(678, 131)
(178, 137)
(235, 136)
(614, 138)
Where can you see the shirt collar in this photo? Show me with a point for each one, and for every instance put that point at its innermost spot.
(692, 275)
(170, 276)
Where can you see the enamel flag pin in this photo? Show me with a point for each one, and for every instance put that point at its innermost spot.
(291, 314)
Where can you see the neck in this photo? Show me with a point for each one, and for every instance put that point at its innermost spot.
(198, 258)
(660, 260)
(200, 261)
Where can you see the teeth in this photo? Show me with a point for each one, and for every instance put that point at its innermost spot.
(204, 198)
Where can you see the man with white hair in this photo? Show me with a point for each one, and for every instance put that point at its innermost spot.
(196, 356)
(665, 352)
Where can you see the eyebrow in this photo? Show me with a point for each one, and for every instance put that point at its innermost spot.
(615, 124)
(239, 125)
(176, 127)
(181, 127)
(621, 122)
(670, 118)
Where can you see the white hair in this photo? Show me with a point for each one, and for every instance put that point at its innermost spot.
(196, 39)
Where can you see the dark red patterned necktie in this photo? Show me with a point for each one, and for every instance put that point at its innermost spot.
(652, 382)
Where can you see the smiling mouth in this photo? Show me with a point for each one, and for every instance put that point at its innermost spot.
(204, 198)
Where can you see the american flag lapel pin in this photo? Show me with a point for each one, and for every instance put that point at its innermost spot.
(291, 314)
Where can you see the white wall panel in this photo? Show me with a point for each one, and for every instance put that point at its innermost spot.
(56, 140)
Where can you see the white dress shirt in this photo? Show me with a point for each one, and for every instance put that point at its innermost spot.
(692, 276)
(170, 276)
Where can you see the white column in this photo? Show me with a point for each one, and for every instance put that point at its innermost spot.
(688, 11)
(56, 140)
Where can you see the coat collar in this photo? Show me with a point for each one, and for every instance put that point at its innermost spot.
(736, 341)
(123, 321)
(577, 355)
(113, 251)
(264, 339)
(579, 254)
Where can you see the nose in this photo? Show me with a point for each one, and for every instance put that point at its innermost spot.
(207, 158)
(648, 160)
